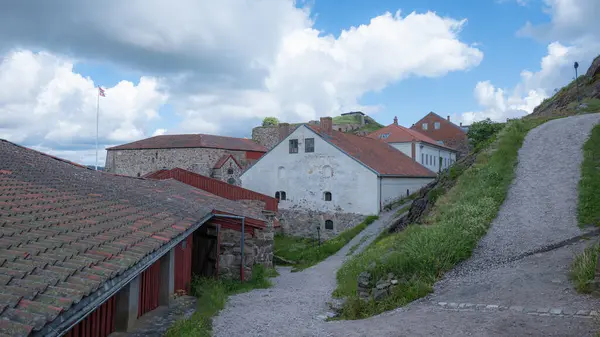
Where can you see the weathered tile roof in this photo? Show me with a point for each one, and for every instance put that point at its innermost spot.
(400, 134)
(193, 141)
(377, 155)
(67, 230)
(224, 159)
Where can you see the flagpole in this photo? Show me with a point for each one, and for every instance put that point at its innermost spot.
(97, 114)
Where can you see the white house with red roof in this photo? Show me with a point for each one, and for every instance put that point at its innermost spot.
(428, 152)
(330, 173)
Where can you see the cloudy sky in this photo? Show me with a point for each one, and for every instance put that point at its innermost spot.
(203, 66)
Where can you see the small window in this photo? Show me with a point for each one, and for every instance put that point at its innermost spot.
(424, 126)
(339, 129)
(139, 174)
(436, 125)
(422, 158)
(230, 170)
(282, 195)
(231, 181)
(277, 195)
(327, 196)
(426, 159)
(384, 136)
(309, 145)
(328, 224)
(293, 145)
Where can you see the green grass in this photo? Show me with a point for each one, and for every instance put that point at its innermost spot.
(305, 253)
(212, 295)
(583, 269)
(355, 247)
(589, 185)
(350, 119)
(421, 254)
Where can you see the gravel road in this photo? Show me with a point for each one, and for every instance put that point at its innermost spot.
(505, 289)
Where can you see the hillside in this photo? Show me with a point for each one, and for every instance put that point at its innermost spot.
(370, 124)
(565, 101)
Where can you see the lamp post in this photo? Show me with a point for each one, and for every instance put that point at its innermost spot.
(576, 65)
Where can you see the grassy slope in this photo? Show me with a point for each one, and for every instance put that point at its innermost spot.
(421, 254)
(212, 295)
(589, 185)
(305, 254)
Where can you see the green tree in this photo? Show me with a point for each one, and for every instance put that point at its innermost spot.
(269, 121)
(480, 132)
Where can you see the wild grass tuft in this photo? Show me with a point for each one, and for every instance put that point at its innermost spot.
(583, 269)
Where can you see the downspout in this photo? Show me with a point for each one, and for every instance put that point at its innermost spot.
(380, 201)
(242, 242)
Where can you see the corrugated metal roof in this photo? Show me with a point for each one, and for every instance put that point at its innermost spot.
(379, 156)
(67, 230)
(193, 141)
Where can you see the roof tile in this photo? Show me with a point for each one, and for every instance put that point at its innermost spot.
(26, 318)
(14, 329)
(15, 290)
(60, 302)
(377, 155)
(10, 300)
(48, 311)
(193, 141)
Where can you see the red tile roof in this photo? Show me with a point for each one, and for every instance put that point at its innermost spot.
(67, 230)
(377, 155)
(224, 159)
(193, 141)
(400, 134)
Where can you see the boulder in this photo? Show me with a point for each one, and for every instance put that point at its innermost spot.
(380, 294)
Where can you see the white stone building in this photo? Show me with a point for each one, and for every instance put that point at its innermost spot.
(422, 149)
(328, 177)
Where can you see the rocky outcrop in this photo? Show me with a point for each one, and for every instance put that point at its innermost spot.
(565, 101)
(594, 69)
(428, 195)
(378, 291)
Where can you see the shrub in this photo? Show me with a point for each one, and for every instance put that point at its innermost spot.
(480, 132)
(270, 121)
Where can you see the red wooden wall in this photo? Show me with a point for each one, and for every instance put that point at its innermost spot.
(183, 264)
(254, 155)
(149, 286)
(100, 323)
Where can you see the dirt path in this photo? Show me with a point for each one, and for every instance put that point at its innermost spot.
(514, 285)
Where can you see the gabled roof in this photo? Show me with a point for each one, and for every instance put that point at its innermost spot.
(192, 141)
(377, 155)
(224, 159)
(441, 119)
(72, 236)
(400, 134)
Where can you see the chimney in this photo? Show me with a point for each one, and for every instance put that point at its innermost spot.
(395, 120)
(448, 118)
(327, 124)
(284, 130)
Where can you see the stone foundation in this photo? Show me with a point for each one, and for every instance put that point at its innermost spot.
(258, 249)
(304, 223)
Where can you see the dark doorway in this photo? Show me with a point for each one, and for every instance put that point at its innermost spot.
(204, 253)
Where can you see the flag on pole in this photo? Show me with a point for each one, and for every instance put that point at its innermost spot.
(101, 92)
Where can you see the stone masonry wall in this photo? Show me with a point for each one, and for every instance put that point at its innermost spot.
(224, 175)
(267, 136)
(304, 223)
(258, 249)
(136, 163)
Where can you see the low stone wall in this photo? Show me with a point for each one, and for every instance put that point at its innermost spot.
(304, 223)
(258, 249)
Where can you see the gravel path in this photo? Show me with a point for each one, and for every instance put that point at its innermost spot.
(293, 305)
(505, 289)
